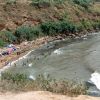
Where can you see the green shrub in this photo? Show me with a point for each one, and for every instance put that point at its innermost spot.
(41, 3)
(15, 78)
(27, 33)
(83, 3)
(50, 28)
(46, 3)
(87, 24)
(96, 25)
(7, 36)
(2, 43)
(53, 28)
(36, 32)
(67, 26)
(11, 2)
(80, 27)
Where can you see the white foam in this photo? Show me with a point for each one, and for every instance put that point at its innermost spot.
(95, 79)
(58, 52)
(30, 65)
(32, 77)
(14, 62)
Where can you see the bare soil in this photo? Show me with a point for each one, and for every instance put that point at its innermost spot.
(22, 13)
(41, 95)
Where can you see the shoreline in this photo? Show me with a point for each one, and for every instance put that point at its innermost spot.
(36, 44)
(13, 62)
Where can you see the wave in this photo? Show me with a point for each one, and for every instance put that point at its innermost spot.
(58, 52)
(95, 79)
(30, 65)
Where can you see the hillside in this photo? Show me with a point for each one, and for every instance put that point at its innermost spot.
(29, 19)
(22, 12)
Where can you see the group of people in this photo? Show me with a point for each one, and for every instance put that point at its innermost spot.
(8, 50)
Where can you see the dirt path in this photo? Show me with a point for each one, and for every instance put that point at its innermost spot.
(42, 96)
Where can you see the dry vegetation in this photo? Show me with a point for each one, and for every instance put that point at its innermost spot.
(19, 82)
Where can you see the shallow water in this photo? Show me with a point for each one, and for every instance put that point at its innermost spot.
(71, 59)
